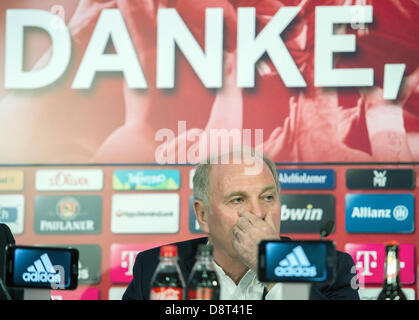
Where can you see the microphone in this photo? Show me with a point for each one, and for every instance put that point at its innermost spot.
(326, 229)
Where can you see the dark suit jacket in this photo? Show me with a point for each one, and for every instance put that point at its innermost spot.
(146, 262)
(6, 238)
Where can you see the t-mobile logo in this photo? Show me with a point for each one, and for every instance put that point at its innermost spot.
(128, 260)
(366, 260)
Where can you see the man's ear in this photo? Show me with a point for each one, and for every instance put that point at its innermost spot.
(201, 214)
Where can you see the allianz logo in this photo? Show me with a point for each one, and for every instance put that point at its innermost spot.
(299, 214)
(42, 270)
(295, 264)
(400, 213)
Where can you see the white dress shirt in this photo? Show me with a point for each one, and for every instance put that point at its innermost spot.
(249, 287)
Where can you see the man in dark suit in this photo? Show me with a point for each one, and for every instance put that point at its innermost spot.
(6, 238)
(237, 205)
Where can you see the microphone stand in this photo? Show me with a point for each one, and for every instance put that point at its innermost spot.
(4, 290)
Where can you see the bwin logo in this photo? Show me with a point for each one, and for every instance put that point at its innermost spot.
(295, 264)
(42, 270)
(299, 214)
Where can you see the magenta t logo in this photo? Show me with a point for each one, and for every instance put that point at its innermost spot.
(370, 258)
(366, 261)
(123, 258)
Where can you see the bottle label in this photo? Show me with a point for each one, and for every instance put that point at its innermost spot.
(200, 294)
(391, 267)
(166, 293)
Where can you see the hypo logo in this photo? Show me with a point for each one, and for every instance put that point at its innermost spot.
(12, 208)
(123, 258)
(145, 213)
(379, 213)
(370, 260)
(8, 214)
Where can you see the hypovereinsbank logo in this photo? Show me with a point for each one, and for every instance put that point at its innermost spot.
(135, 213)
(146, 180)
(380, 213)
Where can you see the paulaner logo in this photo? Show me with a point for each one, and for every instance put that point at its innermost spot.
(43, 271)
(296, 264)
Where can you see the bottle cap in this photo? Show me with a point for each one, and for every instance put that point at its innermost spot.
(392, 243)
(168, 251)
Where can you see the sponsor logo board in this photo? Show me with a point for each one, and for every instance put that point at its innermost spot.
(69, 180)
(12, 212)
(123, 258)
(80, 293)
(116, 293)
(306, 179)
(306, 213)
(145, 213)
(372, 293)
(146, 180)
(69, 214)
(90, 259)
(380, 179)
(11, 180)
(379, 213)
(370, 260)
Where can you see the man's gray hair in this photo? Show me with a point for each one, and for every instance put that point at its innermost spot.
(201, 180)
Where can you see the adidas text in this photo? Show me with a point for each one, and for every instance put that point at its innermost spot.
(41, 277)
(295, 271)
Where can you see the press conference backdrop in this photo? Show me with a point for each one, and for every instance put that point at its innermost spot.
(104, 108)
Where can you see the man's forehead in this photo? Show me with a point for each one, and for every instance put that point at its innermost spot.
(224, 176)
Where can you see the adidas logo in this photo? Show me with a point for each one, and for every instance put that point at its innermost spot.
(42, 270)
(295, 264)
